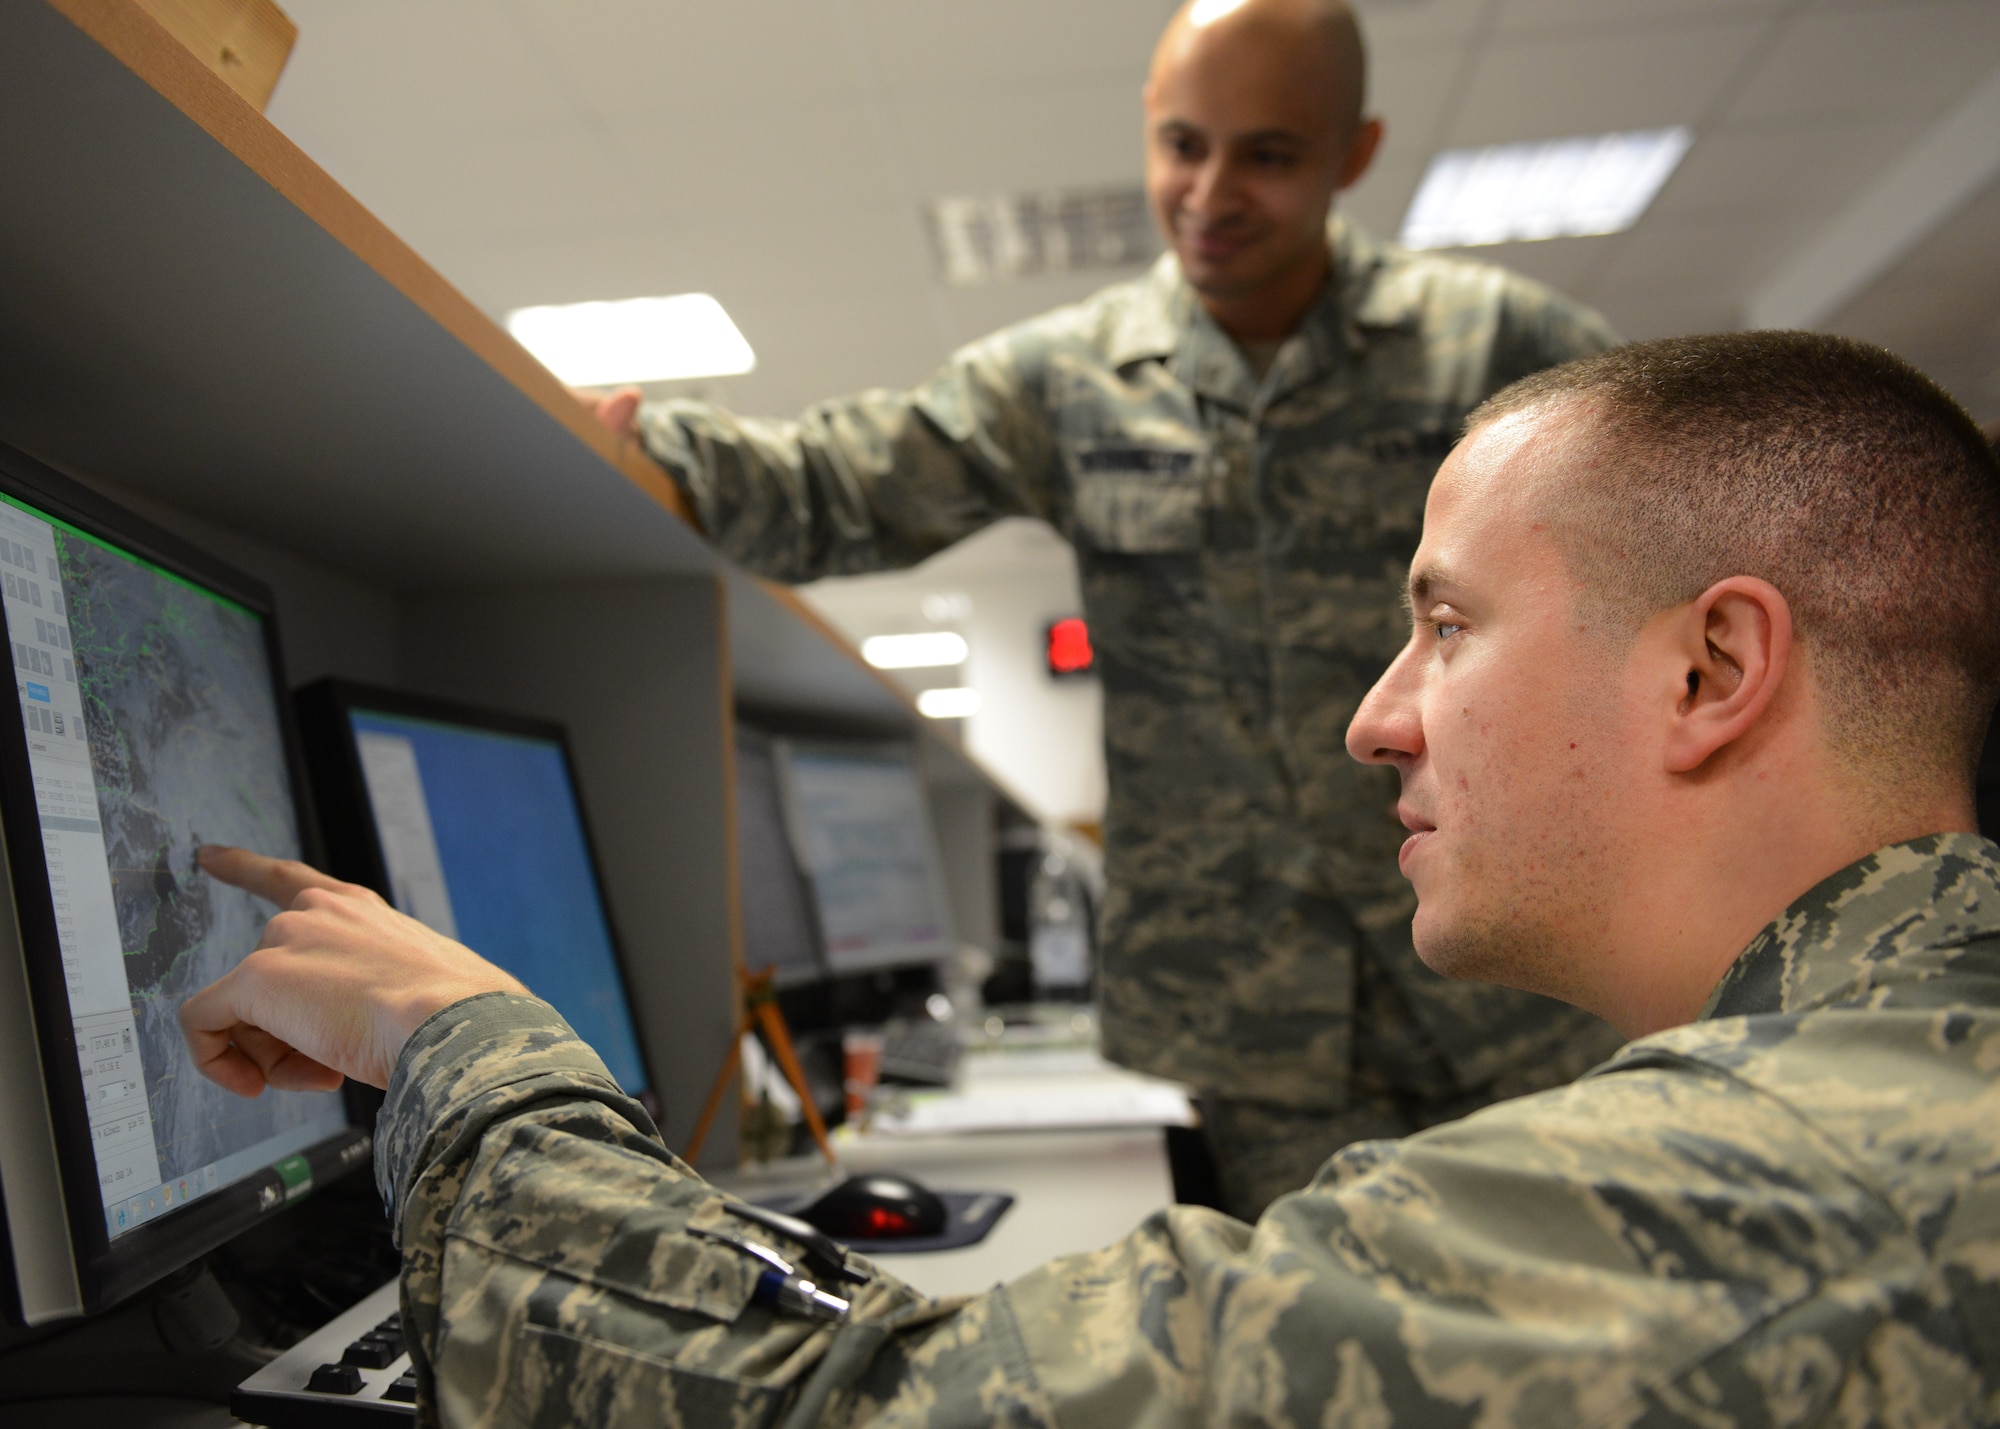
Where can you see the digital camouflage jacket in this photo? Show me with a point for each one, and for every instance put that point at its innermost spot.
(1784, 1213)
(1243, 546)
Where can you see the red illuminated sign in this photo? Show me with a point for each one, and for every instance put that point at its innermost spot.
(1068, 648)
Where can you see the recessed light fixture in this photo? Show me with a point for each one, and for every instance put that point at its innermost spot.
(981, 240)
(955, 703)
(633, 340)
(1560, 188)
(922, 651)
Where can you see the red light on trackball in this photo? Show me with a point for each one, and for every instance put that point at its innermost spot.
(1068, 647)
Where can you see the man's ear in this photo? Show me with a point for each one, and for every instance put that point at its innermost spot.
(1360, 152)
(1734, 645)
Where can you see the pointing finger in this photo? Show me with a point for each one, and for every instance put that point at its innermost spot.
(276, 880)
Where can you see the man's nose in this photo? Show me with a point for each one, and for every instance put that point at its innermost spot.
(1209, 195)
(1388, 727)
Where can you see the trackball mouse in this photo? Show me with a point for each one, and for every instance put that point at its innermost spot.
(878, 1206)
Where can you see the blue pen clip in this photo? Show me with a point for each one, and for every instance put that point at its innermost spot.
(780, 1287)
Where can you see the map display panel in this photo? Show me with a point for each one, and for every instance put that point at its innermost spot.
(152, 729)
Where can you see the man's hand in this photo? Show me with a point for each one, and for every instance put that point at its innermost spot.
(336, 986)
(618, 411)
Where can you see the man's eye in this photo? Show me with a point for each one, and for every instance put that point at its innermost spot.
(1445, 629)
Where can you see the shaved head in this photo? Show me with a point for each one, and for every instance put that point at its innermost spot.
(1253, 123)
(1317, 41)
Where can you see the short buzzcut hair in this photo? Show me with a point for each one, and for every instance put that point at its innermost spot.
(1830, 468)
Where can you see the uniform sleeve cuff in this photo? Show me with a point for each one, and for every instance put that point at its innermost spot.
(469, 1063)
(667, 442)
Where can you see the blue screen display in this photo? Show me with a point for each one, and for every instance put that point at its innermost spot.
(523, 892)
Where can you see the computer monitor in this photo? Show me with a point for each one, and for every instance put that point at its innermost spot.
(778, 931)
(469, 820)
(150, 718)
(862, 827)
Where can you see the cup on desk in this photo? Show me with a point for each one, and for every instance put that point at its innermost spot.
(861, 1069)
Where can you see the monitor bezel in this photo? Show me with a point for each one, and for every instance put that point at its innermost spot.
(340, 794)
(903, 752)
(108, 1270)
(771, 747)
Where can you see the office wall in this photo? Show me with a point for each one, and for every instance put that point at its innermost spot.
(1043, 738)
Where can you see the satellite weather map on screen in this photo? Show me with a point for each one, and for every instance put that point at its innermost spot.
(152, 728)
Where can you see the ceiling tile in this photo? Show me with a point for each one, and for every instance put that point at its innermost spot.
(437, 190)
(1903, 59)
(1383, 196)
(1803, 173)
(366, 67)
(950, 46)
(501, 274)
(1011, 140)
(1946, 284)
(1517, 16)
(1388, 25)
(863, 249)
(629, 55)
(1411, 87)
(1724, 257)
(1562, 263)
(757, 162)
(1671, 315)
(1549, 86)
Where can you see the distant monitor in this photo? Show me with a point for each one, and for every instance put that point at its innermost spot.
(469, 821)
(150, 718)
(778, 931)
(863, 830)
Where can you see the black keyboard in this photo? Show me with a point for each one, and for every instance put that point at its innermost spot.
(351, 1373)
(923, 1052)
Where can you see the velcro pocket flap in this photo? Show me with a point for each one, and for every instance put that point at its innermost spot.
(604, 1216)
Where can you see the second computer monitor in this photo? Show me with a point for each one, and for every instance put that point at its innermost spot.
(778, 925)
(862, 827)
(469, 821)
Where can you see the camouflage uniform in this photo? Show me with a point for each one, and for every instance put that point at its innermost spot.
(1243, 546)
(1786, 1212)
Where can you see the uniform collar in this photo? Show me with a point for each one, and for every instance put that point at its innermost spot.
(1884, 931)
(1369, 290)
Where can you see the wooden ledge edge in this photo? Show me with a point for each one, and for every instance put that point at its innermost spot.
(148, 49)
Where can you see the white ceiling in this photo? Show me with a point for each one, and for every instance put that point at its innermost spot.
(777, 153)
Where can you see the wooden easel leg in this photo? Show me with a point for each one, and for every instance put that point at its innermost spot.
(780, 1038)
(722, 1080)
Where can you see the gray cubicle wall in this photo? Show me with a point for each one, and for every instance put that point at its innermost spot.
(632, 668)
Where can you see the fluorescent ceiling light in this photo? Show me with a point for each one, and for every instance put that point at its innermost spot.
(1561, 188)
(914, 652)
(949, 704)
(636, 340)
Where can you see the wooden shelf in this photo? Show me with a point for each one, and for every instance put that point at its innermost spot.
(198, 315)
(197, 319)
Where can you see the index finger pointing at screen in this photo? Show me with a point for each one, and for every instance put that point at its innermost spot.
(276, 880)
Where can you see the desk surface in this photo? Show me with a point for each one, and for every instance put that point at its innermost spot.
(1075, 1189)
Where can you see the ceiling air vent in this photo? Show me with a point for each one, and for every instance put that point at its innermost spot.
(981, 240)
